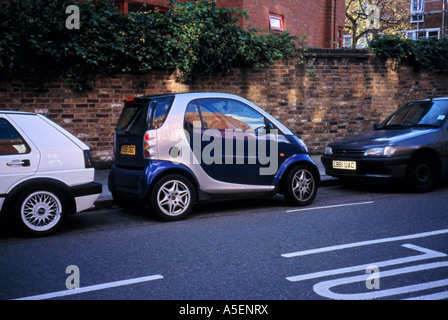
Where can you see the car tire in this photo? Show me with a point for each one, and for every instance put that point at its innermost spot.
(421, 173)
(172, 197)
(300, 186)
(40, 211)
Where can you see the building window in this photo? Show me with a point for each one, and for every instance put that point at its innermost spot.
(417, 10)
(276, 22)
(423, 33)
(417, 6)
(417, 17)
(127, 6)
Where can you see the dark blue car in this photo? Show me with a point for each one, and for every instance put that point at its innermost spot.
(411, 144)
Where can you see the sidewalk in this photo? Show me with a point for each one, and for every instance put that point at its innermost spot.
(105, 199)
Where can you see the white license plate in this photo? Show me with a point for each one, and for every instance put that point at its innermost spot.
(344, 165)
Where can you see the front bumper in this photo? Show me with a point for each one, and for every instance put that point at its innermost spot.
(384, 168)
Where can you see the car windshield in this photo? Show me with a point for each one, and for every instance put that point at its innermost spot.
(418, 114)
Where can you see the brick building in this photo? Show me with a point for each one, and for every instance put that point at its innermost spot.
(428, 18)
(321, 21)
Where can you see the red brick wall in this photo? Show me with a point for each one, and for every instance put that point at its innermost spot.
(317, 19)
(337, 94)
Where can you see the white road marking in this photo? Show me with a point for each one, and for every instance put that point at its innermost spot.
(434, 296)
(91, 288)
(323, 288)
(364, 243)
(428, 254)
(332, 206)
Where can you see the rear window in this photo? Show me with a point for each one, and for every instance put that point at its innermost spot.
(141, 115)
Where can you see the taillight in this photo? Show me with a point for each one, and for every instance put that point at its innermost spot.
(88, 163)
(149, 141)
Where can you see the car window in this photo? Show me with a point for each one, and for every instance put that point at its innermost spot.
(192, 117)
(226, 114)
(419, 113)
(160, 109)
(10, 140)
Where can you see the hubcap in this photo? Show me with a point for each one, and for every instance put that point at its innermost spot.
(303, 185)
(173, 198)
(41, 211)
(423, 173)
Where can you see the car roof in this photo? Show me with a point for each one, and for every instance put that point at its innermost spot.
(433, 99)
(17, 112)
(192, 94)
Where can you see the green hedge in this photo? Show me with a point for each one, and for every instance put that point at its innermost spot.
(198, 39)
(425, 54)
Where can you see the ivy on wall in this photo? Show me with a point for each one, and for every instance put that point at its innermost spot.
(197, 39)
(424, 54)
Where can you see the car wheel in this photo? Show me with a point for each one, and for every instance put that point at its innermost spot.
(300, 185)
(172, 197)
(40, 211)
(421, 174)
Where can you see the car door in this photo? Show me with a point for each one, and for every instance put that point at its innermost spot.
(232, 144)
(19, 158)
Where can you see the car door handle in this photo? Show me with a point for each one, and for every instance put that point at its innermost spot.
(23, 163)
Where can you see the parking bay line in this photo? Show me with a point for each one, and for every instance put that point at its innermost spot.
(102, 286)
(332, 206)
(364, 243)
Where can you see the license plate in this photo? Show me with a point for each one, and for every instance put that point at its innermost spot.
(128, 149)
(344, 165)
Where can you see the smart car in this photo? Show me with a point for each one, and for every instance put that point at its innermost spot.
(174, 150)
(45, 173)
(411, 145)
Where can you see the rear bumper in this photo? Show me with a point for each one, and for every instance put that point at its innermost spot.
(85, 195)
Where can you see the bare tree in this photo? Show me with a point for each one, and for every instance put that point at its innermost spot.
(367, 18)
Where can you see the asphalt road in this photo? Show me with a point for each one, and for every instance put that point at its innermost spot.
(371, 241)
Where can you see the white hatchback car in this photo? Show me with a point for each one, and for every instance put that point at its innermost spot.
(45, 172)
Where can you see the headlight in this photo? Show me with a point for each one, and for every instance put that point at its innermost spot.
(303, 145)
(328, 151)
(382, 151)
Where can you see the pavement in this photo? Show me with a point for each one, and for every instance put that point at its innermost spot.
(105, 199)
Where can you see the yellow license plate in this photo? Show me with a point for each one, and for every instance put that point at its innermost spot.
(344, 165)
(128, 149)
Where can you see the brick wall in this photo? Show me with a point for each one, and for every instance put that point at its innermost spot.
(334, 94)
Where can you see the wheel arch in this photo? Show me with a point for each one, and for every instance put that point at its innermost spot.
(290, 167)
(174, 170)
(40, 182)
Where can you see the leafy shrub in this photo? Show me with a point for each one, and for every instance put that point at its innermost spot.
(425, 54)
(198, 39)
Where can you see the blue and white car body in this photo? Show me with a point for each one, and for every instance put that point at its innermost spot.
(218, 145)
